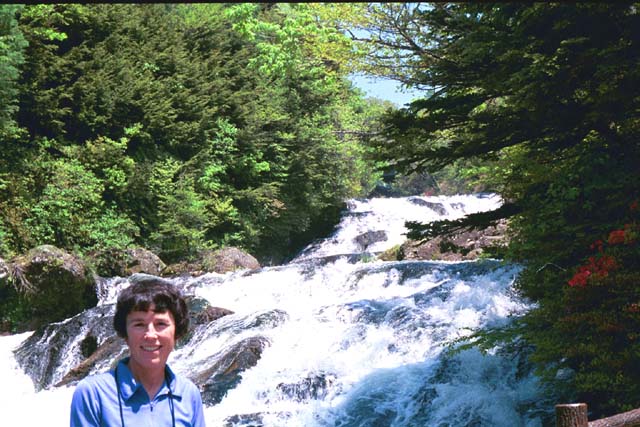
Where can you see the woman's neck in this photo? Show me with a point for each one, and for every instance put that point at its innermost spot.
(151, 379)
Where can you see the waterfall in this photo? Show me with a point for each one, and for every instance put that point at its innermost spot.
(333, 338)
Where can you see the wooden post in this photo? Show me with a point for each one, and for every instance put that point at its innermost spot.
(572, 415)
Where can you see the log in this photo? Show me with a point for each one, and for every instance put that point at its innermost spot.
(572, 415)
(626, 419)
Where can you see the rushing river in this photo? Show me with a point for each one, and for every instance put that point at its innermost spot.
(350, 341)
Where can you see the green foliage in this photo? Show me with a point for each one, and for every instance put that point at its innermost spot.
(180, 128)
(12, 43)
(70, 211)
(183, 221)
(595, 320)
(540, 96)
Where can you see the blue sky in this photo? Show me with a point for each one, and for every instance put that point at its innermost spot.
(384, 89)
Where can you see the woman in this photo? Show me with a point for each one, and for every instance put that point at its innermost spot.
(142, 390)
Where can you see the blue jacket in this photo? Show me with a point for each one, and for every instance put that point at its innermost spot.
(95, 402)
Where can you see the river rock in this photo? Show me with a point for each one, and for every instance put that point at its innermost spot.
(245, 420)
(210, 314)
(201, 313)
(48, 354)
(365, 240)
(220, 261)
(55, 284)
(462, 246)
(125, 262)
(112, 346)
(254, 419)
(311, 387)
(437, 207)
(224, 371)
(228, 259)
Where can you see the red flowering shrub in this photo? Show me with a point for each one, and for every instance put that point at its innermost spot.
(599, 266)
(616, 237)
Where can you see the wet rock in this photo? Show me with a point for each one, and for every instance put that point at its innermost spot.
(113, 347)
(201, 313)
(267, 319)
(434, 206)
(225, 371)
(312, 387)
(210, 314)
(50, 352)
(228, 259)
(366, 311)
(244, 420)
(234, 325)
(125, 262)
(55, 284)
(255, 419)
(365, 240)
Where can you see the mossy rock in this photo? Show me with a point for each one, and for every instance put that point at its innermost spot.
(53, 283)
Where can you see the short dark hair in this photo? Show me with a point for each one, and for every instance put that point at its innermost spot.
(140, 296)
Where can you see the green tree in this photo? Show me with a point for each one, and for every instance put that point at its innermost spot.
(543, 93)
(192, 125)
(12, 44)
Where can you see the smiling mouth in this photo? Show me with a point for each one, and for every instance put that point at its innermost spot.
(154, 348)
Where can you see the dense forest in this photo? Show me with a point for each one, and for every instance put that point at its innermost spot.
(184, 127)
(176, 128)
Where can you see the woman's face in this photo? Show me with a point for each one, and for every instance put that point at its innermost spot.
(150, 337)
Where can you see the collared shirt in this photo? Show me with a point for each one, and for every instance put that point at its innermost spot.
(95, 401)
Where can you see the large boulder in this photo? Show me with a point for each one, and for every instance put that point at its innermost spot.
(228, 259)
(55, 284)
(224, 372)
(125, 262)
(219, 261)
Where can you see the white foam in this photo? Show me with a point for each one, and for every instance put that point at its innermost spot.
(373, 333)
